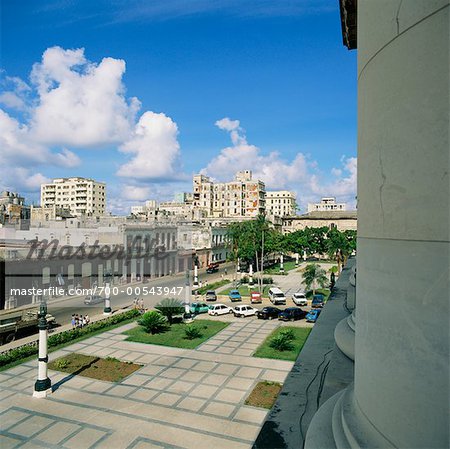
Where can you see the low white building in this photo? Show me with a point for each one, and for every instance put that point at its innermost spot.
(327, 204)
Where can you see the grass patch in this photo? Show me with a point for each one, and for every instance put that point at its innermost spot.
(264, 394)
(213, 286)
(322, 291)
(288, 266)
(245, 290)
(63, 345)
(265, 351)
(109, 369)
(175, 336)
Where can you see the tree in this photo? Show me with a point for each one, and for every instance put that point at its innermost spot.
(340, 245)
(153, 322)
(314, 275)
(169, 307)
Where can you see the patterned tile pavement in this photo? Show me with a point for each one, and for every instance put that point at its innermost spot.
(179, 398)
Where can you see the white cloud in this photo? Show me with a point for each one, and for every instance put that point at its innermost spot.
(12, 100)
(80, 103)
(154, 148)
(298, 174)
(75, 103)
(136, 193)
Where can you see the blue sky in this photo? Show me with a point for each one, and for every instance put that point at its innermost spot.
(152, 114)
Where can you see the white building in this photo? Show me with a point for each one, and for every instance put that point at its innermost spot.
(327, 204)
(280, 203)
(82, 196)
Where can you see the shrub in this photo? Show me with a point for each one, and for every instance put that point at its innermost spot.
(267, 280)
(62, 363)
(192, 332)
(169, 307)
(153, 322)
(288, 334)
(281, 343)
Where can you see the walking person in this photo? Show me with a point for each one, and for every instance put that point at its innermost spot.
(73, 321)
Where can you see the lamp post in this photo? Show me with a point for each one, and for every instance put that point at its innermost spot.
(250, 275)
(195, 284)
(281, 264)
(43, 385)
(107, 309)
(187, 317)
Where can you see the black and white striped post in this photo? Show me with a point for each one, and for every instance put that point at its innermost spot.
(107, 309)
(43, 385)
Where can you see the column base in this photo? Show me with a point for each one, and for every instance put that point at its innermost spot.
(340, 424)
(107, 311)
(42, 388)
(42, 394)
(344, 335)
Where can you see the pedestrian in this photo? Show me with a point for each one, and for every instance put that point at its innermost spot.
(135, 303)
(76, 320)
(80, 322)
(87, 319)
(226, 271)
(141, 305)
(73, 321)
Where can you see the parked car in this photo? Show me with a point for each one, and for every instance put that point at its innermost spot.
(93, 299)
(312, 316)
(210, 295)
(276, 296)
(292, 314)
(268, 313)
(234, 295)
(219, 309)
(317, 301)
(255, 298)
(212, 268)
(243, 311)
(299, 299)
(199, 307)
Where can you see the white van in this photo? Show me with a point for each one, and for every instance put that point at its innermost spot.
(276, 296)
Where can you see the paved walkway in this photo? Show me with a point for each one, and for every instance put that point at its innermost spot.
(179, 399)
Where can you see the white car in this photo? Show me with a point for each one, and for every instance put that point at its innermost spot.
(244, 311)
(219, 309)
(299, 299)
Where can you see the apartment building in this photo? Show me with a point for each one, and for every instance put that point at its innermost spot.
(242, 197)
(327, 204)
(82, 196)
(280, 203)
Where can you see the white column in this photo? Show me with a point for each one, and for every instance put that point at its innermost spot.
(400, 396)
(42, 387)
(281, 264)
(296, 259)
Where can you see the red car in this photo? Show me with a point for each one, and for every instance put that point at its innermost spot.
(255, 297)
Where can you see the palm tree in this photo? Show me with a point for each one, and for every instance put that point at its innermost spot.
(314, 275)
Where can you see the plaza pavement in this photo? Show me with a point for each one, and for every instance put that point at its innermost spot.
(180, 398)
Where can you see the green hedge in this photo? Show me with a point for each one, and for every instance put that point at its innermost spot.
(64, 337)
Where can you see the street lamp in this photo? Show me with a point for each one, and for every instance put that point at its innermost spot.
(43, 385)
(187, 317)
(107, 280)
(250, 275)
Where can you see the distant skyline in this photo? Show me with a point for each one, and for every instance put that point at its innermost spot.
(144, 94)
